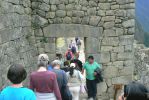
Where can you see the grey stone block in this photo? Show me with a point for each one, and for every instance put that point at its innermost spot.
(94, 20)
(44, 7)
(101, 88)
(125, 56)
(110, 41)
(110, 32)
(91, 11)
(104, 57)
(126, 40)
(110, 72)
(108, 18)
(104, 6)
(60, 13)
(124, 1)
(54, 2)
(53, 8)
(90, 48)
(122, 80)
(126, 71)
(129, 23)
(78, 13)
(67, 20)
(108, 25)
(50, 15)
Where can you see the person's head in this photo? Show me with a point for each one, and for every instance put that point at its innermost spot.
(42, 64)
(71, 41)
(135, 91)
(56, 64)
(77, 55)
(43, 58)
(72, 67)
(91, 59)
(66, 63)
(16, 74)
(69, 49)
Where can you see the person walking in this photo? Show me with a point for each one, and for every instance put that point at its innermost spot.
(69, 55)
(44, 82)
(17, 74)
(61, 79)
(78, 44)
(90, 66)
(78, 62)
(75, 79)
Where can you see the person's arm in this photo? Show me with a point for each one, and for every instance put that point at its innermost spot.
(31, 85)
(98, 65)
(65, 80)
(83, 68)
(56, 89)
(81, 76)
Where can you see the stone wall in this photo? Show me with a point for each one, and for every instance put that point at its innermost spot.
(30, 27)
(107, 25)
(141, 71)
(16, 45)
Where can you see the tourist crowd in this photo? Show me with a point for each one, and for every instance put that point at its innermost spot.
(51, 81)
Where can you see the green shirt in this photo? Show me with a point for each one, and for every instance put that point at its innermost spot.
(90, 68)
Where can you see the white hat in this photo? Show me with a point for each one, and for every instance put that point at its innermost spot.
(73, 65)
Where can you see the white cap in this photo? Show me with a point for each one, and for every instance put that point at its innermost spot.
(73, 65)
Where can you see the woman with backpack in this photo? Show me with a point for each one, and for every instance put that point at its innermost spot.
(69, 55)
(75, 79)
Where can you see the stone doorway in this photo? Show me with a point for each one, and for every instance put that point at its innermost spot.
(64, 43)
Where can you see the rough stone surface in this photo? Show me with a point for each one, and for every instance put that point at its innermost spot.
(141, 69)
(30, 27)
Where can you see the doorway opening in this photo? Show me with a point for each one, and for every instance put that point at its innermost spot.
(63, 44)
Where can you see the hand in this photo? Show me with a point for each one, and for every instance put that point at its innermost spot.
(121, 97)
(95, 73)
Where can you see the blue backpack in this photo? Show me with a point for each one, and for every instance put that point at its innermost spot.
(68, 56)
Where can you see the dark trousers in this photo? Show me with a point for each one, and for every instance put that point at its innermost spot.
(91, 88)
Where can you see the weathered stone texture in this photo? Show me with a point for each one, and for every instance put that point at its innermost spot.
(108, 27)
(16, 37)
(33, 25)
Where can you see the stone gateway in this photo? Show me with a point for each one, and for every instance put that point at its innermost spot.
(30, 27)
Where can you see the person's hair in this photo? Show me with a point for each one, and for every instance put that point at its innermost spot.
(16, 73)
(66, 63)
(42, 64)
(43, 58)
(56, 62)
(91, 57)
(135, 91)
(71, 71)
(72, 68)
